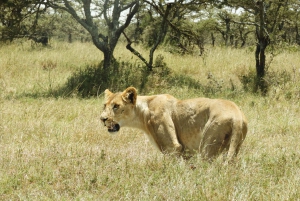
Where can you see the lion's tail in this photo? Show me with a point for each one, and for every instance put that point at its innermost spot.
(239, 131)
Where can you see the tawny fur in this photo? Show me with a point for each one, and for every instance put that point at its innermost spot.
(206, 126)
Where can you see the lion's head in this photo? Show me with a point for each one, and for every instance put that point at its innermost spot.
(118, 108)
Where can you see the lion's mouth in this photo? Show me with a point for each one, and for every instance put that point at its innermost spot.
(114, 128)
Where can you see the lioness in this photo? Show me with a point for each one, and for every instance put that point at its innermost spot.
(207, 126)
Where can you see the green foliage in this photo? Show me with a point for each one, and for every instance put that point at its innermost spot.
(280, 78)
(94, 79)
(150, 33)
(20, 19)
(181, 80)
(248, 81)
(276, 79)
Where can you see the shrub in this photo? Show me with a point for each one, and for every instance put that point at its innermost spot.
(248, 81)
(93, 79)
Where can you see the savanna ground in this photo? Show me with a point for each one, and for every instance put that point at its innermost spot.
(55, 147)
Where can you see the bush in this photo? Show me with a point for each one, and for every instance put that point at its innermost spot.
(93, 79)
(249, 81)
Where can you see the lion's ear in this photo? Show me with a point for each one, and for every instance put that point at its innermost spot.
(107, 93)
(129, 95)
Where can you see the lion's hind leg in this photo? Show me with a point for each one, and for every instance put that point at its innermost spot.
(239, 130)
(215, 138)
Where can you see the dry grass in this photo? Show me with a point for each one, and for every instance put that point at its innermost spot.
(56, 149)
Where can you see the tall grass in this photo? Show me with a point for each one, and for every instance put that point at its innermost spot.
(57, 149)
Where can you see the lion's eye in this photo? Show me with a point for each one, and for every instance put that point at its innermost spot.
(116, 106)
(104, 106)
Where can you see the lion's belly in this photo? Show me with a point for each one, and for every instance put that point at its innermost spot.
(189, 133)
(190, 141)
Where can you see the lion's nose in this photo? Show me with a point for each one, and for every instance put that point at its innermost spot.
(103, 119)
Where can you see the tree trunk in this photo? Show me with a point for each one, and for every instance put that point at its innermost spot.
(263, 42)
(70, 38)
(108, 59)
(111, 14)
(213, 39)
(297, 35)
(260, 59)
(227, 33)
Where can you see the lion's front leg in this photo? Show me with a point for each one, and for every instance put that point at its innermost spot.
(163, 132)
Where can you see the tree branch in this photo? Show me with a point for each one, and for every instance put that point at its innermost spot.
(129, 5)
(162, 33)
(136, 53)
(105, 9)
(136, 5)
(246, 23)
(87, 12)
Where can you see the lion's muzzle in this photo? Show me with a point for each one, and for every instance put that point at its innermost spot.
(111, 125)
(114, 128)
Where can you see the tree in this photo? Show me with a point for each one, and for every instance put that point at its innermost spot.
(89, 14)
(243, 28)
(293, 22)
(19, 18)
(268, 18)
(263, 41)
(226, 18)
(168, 18)
(66, 27)
(159, 28)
